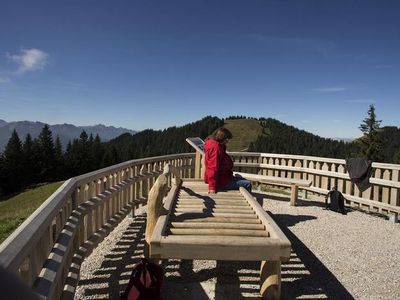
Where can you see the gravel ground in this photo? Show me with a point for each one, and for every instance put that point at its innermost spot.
(334, 256)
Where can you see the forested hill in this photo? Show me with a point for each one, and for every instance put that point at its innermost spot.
(278, 137)
(254, 135)
(151, 142)
(249, 134)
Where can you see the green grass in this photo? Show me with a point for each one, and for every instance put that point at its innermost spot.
(244, 132)
(16, 209)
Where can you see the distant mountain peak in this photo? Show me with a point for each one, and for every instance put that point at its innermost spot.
(65, 131)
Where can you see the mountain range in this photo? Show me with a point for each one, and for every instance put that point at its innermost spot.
(66, 132)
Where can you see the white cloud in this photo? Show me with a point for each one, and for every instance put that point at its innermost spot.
(29, 60)
(332, 89)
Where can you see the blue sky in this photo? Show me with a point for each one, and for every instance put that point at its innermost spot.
(313, 64)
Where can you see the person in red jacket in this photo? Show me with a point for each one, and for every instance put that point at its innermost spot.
(218, 164)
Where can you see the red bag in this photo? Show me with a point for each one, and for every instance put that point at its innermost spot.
(145, 282)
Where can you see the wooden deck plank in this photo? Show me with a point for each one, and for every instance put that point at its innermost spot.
(193, 205)
(211, 197)
(213, 210)
(218, 231)
(226, 225)
(195, 218)
(214, 214)
(217, 200)
(219, 248)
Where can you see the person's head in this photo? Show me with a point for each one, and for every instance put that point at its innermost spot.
(221, 135)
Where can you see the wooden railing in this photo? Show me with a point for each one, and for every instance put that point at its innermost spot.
(70, 223)
(47, 248)
(382, 196)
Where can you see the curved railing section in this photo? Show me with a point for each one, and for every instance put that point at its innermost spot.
(69, 224)
(382, 196)
(47, 248)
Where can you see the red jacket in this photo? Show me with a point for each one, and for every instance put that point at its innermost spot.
(218, 165)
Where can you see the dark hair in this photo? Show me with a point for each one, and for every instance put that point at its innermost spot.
(221, 134)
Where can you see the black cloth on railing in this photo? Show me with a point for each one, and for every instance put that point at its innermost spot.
(360, 170)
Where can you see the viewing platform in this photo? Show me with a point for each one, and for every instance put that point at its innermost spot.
(333, 256)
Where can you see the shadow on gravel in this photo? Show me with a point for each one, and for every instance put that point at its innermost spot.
(117, 266)
(227, 280)
(305, 275)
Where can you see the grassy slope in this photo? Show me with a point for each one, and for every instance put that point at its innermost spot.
(244, 132)
(16, 209)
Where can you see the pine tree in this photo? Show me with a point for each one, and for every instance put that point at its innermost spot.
(69, 159)
(12, 165)
(396, 158)
(47, 154)
(2, 173)
(84, 153)
(30, 161)
(97, 152)
(371, 143)
(59, 160)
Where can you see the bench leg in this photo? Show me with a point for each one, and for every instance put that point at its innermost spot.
(270, 280)
(294, 194)
(394, 217)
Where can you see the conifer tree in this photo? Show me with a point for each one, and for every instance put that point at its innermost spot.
(46, 155)
(69, 159)
(59, 160)
(30, 161)
(2, 170)
(111, 157)
(371, 143)
(84, 155)
(396, 158)
(97, 152)
(12, 165)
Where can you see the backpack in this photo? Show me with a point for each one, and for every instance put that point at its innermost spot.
(145, 282)
(337, 202)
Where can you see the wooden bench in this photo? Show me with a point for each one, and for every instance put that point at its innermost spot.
(293, 183)
(229, 225)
